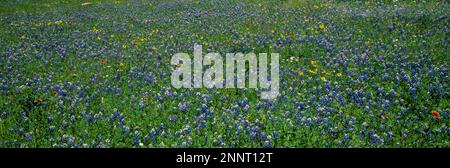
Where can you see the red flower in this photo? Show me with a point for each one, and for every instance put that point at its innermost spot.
(436, 114)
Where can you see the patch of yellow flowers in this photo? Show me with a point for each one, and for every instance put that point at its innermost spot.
(315, 70)
(59, 22)
(49, 23)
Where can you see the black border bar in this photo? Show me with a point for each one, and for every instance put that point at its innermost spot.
(166, 156)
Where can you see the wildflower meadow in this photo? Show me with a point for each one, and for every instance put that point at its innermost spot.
(97, 74)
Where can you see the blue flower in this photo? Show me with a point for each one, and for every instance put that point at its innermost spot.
(267, 144)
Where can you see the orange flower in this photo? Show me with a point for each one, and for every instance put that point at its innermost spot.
(54, 93)
(436, 114)
(38, 100)
(101, 61)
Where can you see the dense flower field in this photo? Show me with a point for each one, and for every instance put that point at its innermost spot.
(352, 74)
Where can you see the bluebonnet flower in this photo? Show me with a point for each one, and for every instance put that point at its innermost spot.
(136, 138)
(29, 136)
(267, 144)
(126, 130)
(188, 129)
(64, 125)
(275, 135)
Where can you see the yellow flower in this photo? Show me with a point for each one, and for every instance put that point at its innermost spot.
(49, 22)
(300, 73)
(124, 46)
(38, 24)
(313, 63)
(58, 22)
(321, 26)
(94, 29)
(338, 74)
(312, 71)
(323, 79)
